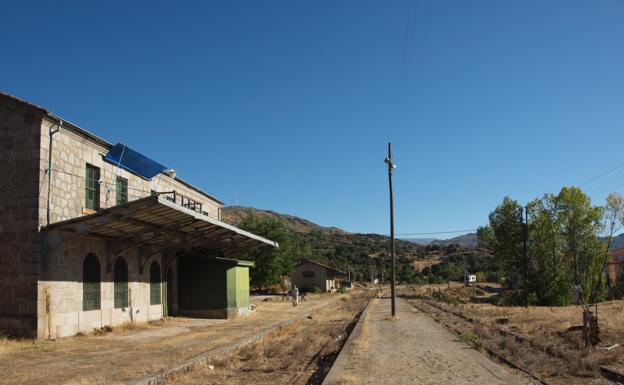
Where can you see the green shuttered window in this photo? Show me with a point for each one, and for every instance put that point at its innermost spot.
(122, 190)
(92, 188)
(121, 283)
(155, 284)
(91, 283)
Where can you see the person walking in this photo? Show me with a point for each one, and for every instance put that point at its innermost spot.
(295, 296)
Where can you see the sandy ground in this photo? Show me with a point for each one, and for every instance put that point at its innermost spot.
(299, 354)
(130, 353)
(411, 349)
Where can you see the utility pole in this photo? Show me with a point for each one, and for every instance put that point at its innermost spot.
(448, 267)
(525, 238)
(391, 166)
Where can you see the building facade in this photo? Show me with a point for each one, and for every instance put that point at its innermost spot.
(95, 234)
(310, 275)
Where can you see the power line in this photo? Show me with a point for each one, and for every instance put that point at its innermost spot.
(420, 47)
(441, 232)
(589, 181)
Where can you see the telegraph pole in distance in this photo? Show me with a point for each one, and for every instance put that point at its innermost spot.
(525, 238)
(391, 166)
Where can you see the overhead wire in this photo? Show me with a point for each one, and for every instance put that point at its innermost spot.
(593, 179)
(440, 232)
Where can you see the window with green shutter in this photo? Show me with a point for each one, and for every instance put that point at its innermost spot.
(120, 285)
(155, 284)
(91, 283)
(122, 190)
(92, 188)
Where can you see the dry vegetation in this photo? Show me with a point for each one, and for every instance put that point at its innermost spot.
(546, 341)
(132, 351)
(298, 354)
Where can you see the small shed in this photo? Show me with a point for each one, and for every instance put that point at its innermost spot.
(309, 275)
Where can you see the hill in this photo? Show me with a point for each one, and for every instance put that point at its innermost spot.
(420, 241)
(357, 252)
(235, 214)
(617, 241)
(466, 240)
(366, 255)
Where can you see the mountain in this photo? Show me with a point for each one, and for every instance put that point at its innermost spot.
(466, 240)
(235, 215)
(617, 241)
(339, 248)
(420, 241)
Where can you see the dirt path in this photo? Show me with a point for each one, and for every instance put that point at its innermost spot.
(412, 349)
(127, 354)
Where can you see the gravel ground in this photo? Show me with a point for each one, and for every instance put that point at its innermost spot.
(412, 349)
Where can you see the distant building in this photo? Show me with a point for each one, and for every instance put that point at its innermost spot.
(94, 234)
(309, 275)
(616, 265)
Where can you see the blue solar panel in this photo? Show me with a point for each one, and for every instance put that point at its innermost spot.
(135, 162)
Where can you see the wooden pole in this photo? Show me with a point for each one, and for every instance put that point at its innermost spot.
(391, 166)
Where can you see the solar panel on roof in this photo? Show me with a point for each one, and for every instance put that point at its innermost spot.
(133, 161)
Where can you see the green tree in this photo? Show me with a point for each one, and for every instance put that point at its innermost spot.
(503, 237)
(271, 264)
(580, 224)
(550, 277)
(613, 222)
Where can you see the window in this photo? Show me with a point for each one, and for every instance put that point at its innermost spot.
(120, 273)
(154, 284)
(308, 274)
(91, 283)
(92, 188)
(122, 190)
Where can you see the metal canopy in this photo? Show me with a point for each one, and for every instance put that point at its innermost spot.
(157, 224)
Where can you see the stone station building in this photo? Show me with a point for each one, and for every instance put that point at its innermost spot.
(310, 275)
(94, 234)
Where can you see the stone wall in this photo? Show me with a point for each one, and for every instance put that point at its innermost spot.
(20, 125)
(71, 151)
(60, 298)
(320, 278)
(45, 299)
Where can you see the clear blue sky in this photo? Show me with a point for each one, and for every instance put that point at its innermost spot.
(288, 105)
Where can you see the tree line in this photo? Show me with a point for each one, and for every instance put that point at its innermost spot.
(567, 240)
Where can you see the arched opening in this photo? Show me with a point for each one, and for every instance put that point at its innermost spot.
(120, 276)
(155, 296)
(91, 283)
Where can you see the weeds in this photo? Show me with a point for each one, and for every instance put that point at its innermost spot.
(472, 340)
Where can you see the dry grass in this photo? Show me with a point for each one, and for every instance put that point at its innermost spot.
(134, 350)
(279, 357)
(555, 330)
(347, 379)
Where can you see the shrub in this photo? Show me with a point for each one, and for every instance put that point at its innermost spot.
(342, 290)
(472, 340)
(445, 297)
(317, 290)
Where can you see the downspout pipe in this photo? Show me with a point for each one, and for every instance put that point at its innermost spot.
(48, 169)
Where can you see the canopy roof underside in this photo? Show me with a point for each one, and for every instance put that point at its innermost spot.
(160, 224)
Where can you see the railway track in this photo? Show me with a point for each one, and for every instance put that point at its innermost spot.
(460, 323)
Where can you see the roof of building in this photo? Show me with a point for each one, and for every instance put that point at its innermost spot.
(103, 142)
(320, 264)
(157, 222)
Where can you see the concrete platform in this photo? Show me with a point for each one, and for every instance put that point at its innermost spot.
(412, 349)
